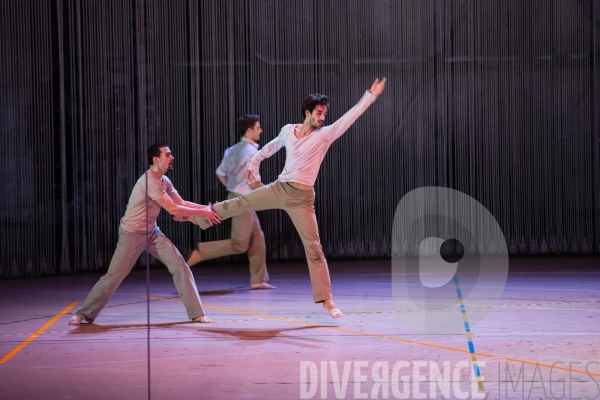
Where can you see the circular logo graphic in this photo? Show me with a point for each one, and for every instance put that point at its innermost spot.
(449, 262)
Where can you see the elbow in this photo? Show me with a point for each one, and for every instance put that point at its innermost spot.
(174, 211)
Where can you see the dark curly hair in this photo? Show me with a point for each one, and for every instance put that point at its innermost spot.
(312, 101)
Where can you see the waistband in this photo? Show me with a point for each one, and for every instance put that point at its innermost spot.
(290, 189)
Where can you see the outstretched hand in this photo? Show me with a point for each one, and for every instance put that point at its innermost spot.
(211, 215)
(378, 86)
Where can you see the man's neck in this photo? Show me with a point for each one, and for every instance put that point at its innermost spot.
(305, 129)
(154, 168)
(248, 139)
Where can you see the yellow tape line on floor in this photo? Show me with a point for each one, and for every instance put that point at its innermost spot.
(36, 334)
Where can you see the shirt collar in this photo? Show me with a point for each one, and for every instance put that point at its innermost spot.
(252, 143)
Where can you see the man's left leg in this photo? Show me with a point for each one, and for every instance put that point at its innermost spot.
(300, 208)
(164, 250)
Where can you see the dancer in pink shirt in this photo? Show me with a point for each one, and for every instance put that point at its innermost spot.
(138, 231)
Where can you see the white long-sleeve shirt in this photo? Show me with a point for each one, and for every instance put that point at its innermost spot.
(304, 155)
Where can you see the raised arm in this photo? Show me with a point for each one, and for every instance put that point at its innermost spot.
(267, 151)
(340, 126)
(378, 86)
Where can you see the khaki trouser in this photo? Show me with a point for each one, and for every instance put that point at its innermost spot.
(129, 248)
(300, 206)
(246, 236)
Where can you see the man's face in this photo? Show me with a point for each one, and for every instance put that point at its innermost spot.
(254, 132)
(165, 161)
(317, 117)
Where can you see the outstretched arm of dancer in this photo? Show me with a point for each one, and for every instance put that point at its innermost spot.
(180, 208)
(340, 126)
(378, 86)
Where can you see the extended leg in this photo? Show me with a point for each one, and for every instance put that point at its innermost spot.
(129, 248)
(164, 250)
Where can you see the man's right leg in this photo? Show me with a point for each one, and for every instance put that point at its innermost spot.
(129, 248)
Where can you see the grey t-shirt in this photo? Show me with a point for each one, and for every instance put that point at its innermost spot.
(135, 215)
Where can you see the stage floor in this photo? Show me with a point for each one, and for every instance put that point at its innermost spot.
(542, 340)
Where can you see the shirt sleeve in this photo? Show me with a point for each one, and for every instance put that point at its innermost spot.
(158, 188)
(267, 151)
(340, 126)
(221, 168)
(247, 156)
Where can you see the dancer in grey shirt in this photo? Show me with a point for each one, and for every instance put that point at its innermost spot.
(246, 234)
(138, 232)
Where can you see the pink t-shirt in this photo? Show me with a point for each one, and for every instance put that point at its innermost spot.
(304, 155)
(134, 220)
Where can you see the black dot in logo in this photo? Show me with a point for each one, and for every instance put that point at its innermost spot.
(452, 251)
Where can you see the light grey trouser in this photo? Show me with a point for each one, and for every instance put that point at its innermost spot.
(300, 206)
(246, 236)
(129, 248)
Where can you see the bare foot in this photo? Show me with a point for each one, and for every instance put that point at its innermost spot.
(194, 258)
(329, 305)
(264, 285)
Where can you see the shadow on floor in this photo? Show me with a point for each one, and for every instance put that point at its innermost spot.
(223, 292)
(263, 336)
(88, 328)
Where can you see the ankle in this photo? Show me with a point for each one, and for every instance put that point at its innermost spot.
(328, 304)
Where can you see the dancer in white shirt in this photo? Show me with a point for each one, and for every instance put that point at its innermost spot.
(305, 146)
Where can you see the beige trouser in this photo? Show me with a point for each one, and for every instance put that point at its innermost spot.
(129, 248)
(246, 236)
(300, 206)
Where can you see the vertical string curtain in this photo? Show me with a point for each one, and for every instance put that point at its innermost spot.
(497, 99)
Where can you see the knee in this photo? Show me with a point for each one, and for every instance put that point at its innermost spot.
(314, 251)
(258, 237)
(241, 246)
(181, 271)
(227, 205)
